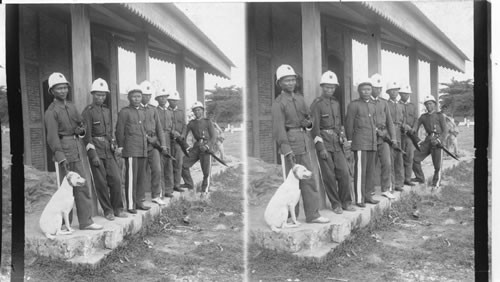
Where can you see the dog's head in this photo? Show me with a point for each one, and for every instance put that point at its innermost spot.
(74, 179)
(301, 172)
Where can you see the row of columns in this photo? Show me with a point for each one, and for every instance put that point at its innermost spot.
(82, 61)
(312, 65)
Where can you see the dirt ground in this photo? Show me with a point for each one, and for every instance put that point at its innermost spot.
(438, 245)
(190, 241)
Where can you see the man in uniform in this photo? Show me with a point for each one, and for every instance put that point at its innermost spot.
(154, 134)
(291, 119)
(361, 134)
(100, 147)
(435, 127)
(327, 133)
(410, 117)
(204, 135)
(396, 109)
(65, 129)
(133, 146)
(384, 126)
(177, 132)
(166, 122)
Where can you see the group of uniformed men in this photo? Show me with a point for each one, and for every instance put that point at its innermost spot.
(374, 128)
(148, 138)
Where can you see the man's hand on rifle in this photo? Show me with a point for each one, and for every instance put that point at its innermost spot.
(323, 154)
(175, 134)
(166, 149)
(65, 165)
(95, 161)
(291, 158)
(118, 152)
(434, 142)
(204, 147)
(305, 123)
(80, 129)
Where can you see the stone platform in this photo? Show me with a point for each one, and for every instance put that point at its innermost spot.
(90, 247)
(315, 241)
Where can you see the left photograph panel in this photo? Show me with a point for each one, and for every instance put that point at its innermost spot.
(133, 128)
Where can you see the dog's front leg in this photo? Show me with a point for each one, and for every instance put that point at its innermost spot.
(291, 210)
(66, 222)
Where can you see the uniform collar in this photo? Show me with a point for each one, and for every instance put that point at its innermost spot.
(374, 99)
(173, 109)
(325, 97)
(99, 106)
(59, 103)
(393, 101)
(163, 108)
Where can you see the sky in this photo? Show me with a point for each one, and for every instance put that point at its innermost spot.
(225, 27)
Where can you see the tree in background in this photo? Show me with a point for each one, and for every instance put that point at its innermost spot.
(458, 98)
(224, 104)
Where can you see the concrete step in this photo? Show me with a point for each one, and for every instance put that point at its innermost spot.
(90, 247)
(317, 240)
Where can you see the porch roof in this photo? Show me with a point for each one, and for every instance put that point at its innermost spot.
(402, 26)
(170, 32)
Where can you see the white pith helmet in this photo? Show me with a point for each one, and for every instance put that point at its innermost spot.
(365, 81)
(392, 85)
(405, 89)
(57, 78)
(147, 88)
(284, 70)
(197, 104)
(376, 80)
(329, 77)
(163, 92)
(99, 85)
(134, 88)
(429, 98)
(174, 95)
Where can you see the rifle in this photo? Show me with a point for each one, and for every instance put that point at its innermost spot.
(389, 141)
(158, 147)
(342, 141)
(182, 143)
(441, 146)
(208, 151)
(414, 139)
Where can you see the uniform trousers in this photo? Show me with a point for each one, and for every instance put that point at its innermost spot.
(83, 200)
(108, 185)
(134, 177)
(173, 169)
(152, 171)
(409, 149)
(384, 156)
(364, 161)
(205, 159)
(427, 149)
(333, 169)
(308, 191)
(397, 168)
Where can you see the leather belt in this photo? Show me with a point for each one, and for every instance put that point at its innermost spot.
(67, 136)
(295, 129)
(100, 138)
(329, 131)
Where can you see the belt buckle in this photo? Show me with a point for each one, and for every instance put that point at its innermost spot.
(329, 131)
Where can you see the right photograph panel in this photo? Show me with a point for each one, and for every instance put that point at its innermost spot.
(360, 141)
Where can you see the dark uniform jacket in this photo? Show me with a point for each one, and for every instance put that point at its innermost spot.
(165, 117)
(99, 133)
(410, 114)
(325, 112)
(153, 126)
(434, 122)
(61, 119)
(360, 125)
(383, 119)
(288, 112)
(203, 131)
(131, 133)
(178, 120)
(396, 110)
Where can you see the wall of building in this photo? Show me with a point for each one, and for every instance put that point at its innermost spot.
(45, 48)
(275, 40)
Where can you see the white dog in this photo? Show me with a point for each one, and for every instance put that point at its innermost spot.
(285, 199)
(59, 207)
